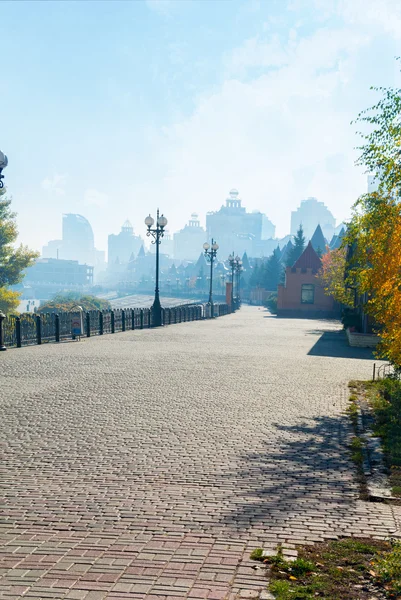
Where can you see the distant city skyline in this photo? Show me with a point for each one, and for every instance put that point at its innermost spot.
(232, 225)
(182, 101)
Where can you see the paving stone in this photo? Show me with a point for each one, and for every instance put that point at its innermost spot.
(150, 457)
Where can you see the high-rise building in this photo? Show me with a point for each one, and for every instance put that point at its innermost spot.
(188, 242)
(77, 243)
(123, 245)
(237, 230)
(310, 214)
(78, 239)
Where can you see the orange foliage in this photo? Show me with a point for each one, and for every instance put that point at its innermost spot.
(379, 272)
(332, 276)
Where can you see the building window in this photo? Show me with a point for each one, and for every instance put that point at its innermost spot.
(308, 293)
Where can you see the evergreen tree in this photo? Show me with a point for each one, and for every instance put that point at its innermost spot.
(13, 260)
(299, 247)
(255, 277)
(200, 279)
(273, 272)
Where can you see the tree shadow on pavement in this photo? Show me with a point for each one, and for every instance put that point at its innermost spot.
(303, 475)
(335, 344)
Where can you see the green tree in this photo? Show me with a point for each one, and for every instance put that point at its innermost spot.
(373, 238)
(13, 260)
(273, 272)
(299, 247)
(380, 152)
(65, 302)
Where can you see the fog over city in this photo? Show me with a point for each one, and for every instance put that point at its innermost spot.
(110, 110)
(200, 299)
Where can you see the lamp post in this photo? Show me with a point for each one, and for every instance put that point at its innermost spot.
(210, 254)
(157, 233)
(3, 164)
(231, 262)
(238, 270)
(236, 267)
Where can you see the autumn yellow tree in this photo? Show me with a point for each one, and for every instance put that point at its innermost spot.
(13, 260)
(376, 266)
(374, 234)
(332, 276)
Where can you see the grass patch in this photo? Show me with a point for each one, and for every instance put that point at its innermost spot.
(353, 411)
(348, 569)
(385, 400)
(356, 447)
(257, 554)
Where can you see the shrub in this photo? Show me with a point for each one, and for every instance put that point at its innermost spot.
(271, 303)
(66, 302)
(351, 319)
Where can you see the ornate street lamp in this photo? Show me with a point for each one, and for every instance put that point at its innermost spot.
(3, 164)
(238, 270)
(236, 267)
(210, 254)
(231, 262)
(157, 233)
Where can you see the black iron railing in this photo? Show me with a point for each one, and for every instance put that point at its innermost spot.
(41, 328)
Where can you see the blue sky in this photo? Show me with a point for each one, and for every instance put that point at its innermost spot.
(111, 109)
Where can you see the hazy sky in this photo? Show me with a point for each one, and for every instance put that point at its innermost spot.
(110, 109)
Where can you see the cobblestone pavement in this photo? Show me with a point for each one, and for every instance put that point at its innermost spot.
(148, 464)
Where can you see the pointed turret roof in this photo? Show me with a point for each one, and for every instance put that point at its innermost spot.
(201, 262)
(333, 242)
(245, 262)
(337, 240)
(308, 259)
(318, 240)
(141, 253)
(286, 251)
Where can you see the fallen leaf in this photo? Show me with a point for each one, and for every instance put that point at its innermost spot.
(293, 578)
(372, 573)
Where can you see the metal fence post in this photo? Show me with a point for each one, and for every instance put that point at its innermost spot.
(88, 325)
(2, 317)
(122, 319)
(2, 345)
(100, 322)
(57, 328)
(18, 331)
(132, 319)
(112, 322)
(38, 330)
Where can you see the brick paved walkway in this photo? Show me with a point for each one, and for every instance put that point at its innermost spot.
(148, 464)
